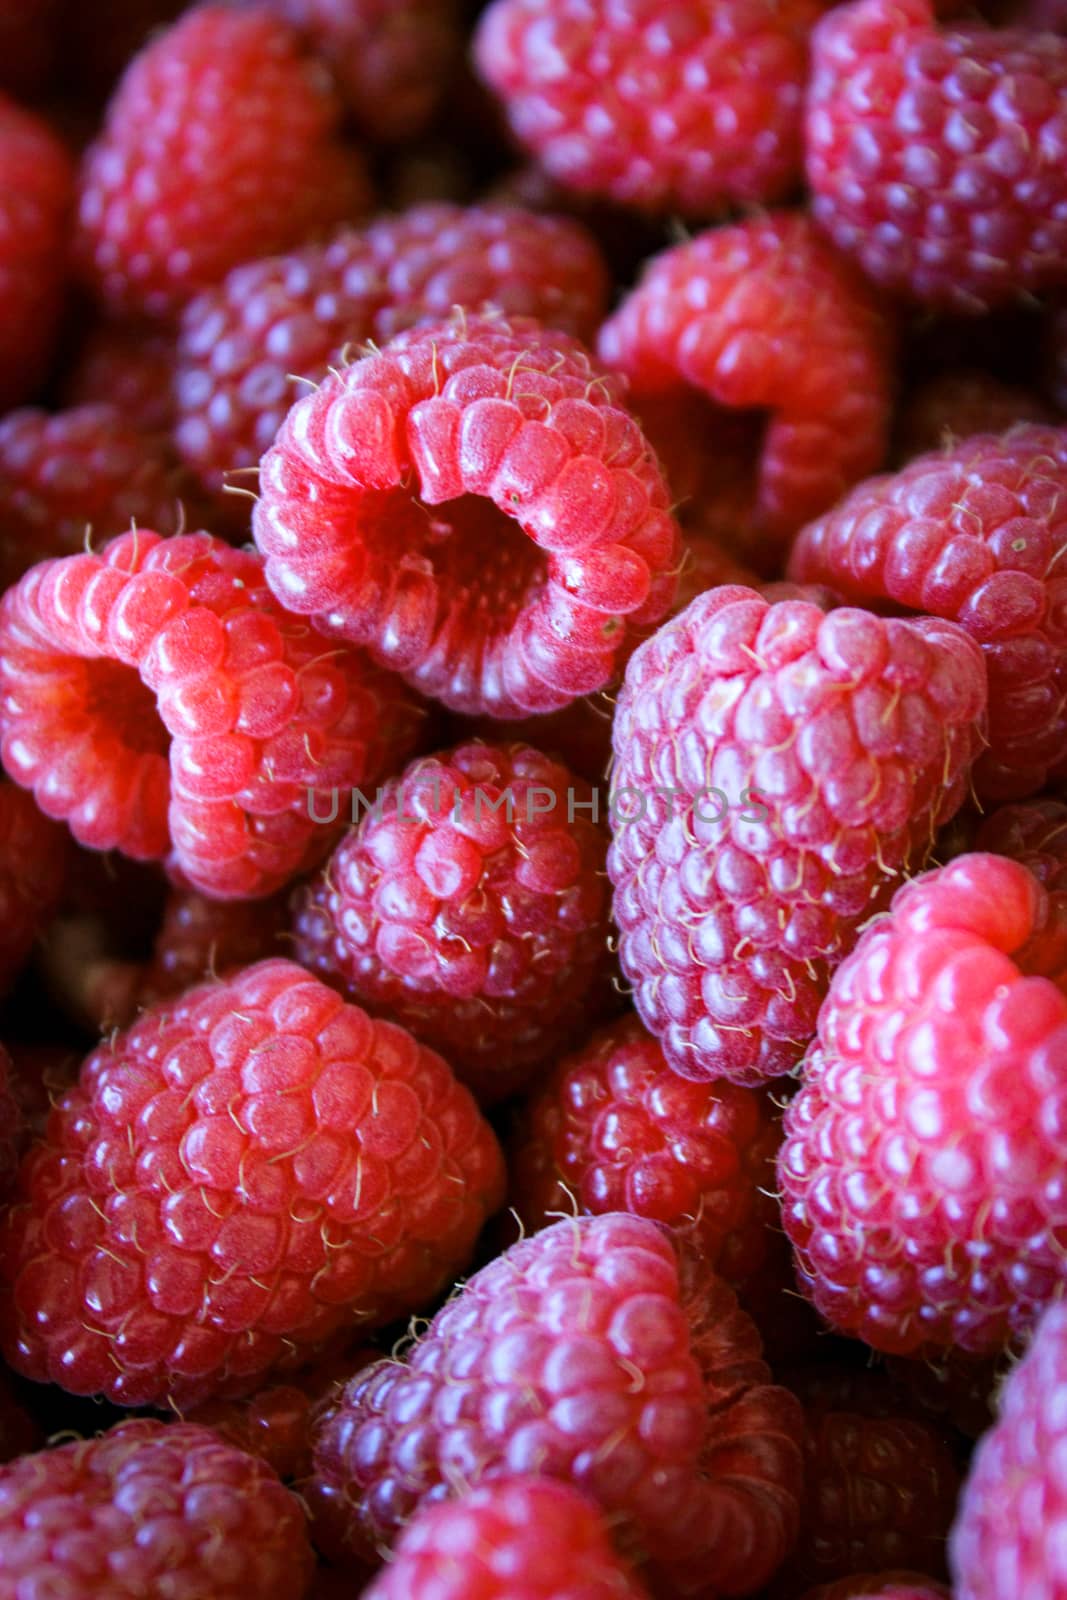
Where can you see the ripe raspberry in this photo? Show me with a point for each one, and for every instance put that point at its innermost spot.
(470, 905)
(974, 534)
(155, 696)
(249, 347)
(937, 156)
(922, 1161)
(780, 768)
(595, 1354)
(553, 544)
(129, 366)
(244, 1173)
(522, 1538)
(33, 863)
(150, 1509)
(220, 145)
(881, 1586)
(762, 316)
(958, 404)
(18, 1432)
(678, 107)
(36, 193)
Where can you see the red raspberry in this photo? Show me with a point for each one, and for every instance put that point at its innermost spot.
(129, 366)
(250, 347)
(220, 145)
(666, 105)
(881, 1586)
(974, 534)
(553, 543)
(33, 865)
(522, 1538)
(958, 404)
(244, 1173)
(938, 158)
(155, 696)
(922, 1162)
(1008, 1538)
(19, 1434)
(775, 769)
(470, 905)
(36, 193)
(762, 316)
(592, 1353)
(150, 1508)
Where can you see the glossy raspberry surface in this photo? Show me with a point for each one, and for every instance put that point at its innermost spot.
(33, 863)
(36, 194)
(475, 507)
(776, 768)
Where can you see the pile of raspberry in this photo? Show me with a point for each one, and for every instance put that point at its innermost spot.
(533, 800)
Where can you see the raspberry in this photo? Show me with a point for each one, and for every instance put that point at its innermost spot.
(765, 320)
(33, 863)
(155, 696)
(921, 1167)
(18, 1432)
(956, 1386)
(75, 476)
(973, 534)
(594, 1354)
(958, 404)
(670, 107)
(129, 366)
(780, 768)
(1008, 1537)
(881, 1586)
(150, 1509)
(36, 194)
(522, 1538)
(242, 343)
(241, 1175)
(469, 905)
(937, 157)
(220, 145)
(553, 544)
(1034, 833)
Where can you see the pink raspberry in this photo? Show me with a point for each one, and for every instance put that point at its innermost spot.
(553, 544)
(33, 865)
(251, 346)
(1008, 1538)
(957, 404)
(245, 1172)
(36, 194)
(921, 1167)
(881, 1586)
(973, 534)
(220, 145)
(522, 1538)
(762, 319)
(156, 697)
(470, 905)
(129, 366)
(938, 157)
(150, 1508)
(595, 1354)
(665, 105)
(775, 769)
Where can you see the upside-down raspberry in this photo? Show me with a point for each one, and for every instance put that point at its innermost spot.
(220, 145)
(922, 1164)
(937, 156)
(470, 904)
(33, 862)
(251, 346)
(665, 105)
(243, 1174)
(36, 195)
(759, 318)
(957, 404)
(595, 1353)
(476, 508)
(780, 766)
(156, 697)
(974, 534)
(150, 1508)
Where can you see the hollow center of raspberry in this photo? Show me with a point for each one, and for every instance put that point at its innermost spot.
(118, 700)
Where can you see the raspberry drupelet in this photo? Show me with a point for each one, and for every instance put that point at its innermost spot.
(250, 347)
(759, 362)
(245, 1173)
(171, 197)
(921, 1169)
(33, 864)
(523, 1538)
(781, 766)
(155, 697)
(665, 105)
(36, 196)
(938, 155)
(597, 1354)
(476, 508)
(150, 1508)
(975, 534)
(470, 904)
